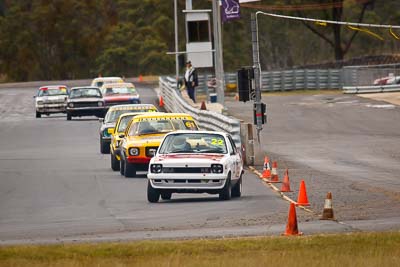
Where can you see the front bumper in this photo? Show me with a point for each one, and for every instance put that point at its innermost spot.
(138, 160)
(51, 108)
(86, 111)
(187, 181)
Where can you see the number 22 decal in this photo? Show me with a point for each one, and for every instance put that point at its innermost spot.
(217, 142)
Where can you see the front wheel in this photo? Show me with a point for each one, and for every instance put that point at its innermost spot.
(69, 117)
(130, 170)
(114, 163)
(38, 114)
(225, 193)
(237, 188)
(104, 146)
(153, 195)
(122, 166)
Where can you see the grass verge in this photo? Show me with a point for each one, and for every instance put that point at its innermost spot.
(357, 249)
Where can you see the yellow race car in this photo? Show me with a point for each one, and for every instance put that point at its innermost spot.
(144, 135)
(116, 133)
(111, 117)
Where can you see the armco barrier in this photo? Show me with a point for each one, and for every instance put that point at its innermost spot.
(287, 80)
(371, 89)
(208, 120)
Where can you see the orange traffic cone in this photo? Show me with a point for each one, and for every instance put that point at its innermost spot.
(286, 184)
(291, 226)
(140, 78)
(274, 173)
(266, 169)
(302, 199)
(327, 214)
(161, 101)
(203, 106)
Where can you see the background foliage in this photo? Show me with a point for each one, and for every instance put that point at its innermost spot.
(58, 39)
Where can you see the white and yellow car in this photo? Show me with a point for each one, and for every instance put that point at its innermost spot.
(195, 162)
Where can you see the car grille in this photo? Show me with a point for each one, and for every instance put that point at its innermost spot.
(186, 170)
(48, 102)
(85, 104)
(151, 151)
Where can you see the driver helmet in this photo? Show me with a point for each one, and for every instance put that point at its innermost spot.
(179, 142)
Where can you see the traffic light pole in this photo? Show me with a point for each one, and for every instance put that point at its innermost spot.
(257, 74)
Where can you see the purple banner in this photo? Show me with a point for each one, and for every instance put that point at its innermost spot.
(230, 10)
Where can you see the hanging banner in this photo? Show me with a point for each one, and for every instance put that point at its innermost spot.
(230, 10)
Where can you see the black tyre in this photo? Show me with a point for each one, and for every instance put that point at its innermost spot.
(225, 193)
(69, 117)
(130, 170)
(114, 163)
(104, 146)
(38, 114)
(153, 195)
(166, 195)
(237, 188)
(122, 166)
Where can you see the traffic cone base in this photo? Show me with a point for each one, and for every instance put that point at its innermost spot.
(266, 174)
(203, 106)
(274, 173)
(302, 199)
(286, 184)
(291, 226)
(327, 213)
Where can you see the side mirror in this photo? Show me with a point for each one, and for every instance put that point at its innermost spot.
(101, 120)
(34, 96)
(110, 131)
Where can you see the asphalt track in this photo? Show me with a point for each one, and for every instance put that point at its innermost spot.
(55, 186)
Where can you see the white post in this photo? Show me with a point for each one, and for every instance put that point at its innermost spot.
(218, 56)
(176, 40)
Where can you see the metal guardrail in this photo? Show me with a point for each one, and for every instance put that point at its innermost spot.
(286, 80)
(371, 89)
(300, 79)
(207, 120)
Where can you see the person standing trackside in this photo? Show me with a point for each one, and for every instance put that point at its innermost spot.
(191, 80)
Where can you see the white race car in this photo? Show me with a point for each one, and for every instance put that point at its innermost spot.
(51, 99)
(195, 162)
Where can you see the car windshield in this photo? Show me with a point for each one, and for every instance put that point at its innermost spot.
(160, 125)
(120, 91)
(194, 143)
(84, 92)
(113, 115)
(53, 91)
(124, 122)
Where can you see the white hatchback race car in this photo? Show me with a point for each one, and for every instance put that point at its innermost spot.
(51, 99)
(195, 162)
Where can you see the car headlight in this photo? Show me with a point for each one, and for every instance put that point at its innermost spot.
(156, 168)
(133, 151)
(39, 102)
(100, 103)
(71, 105)
(217, 168)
